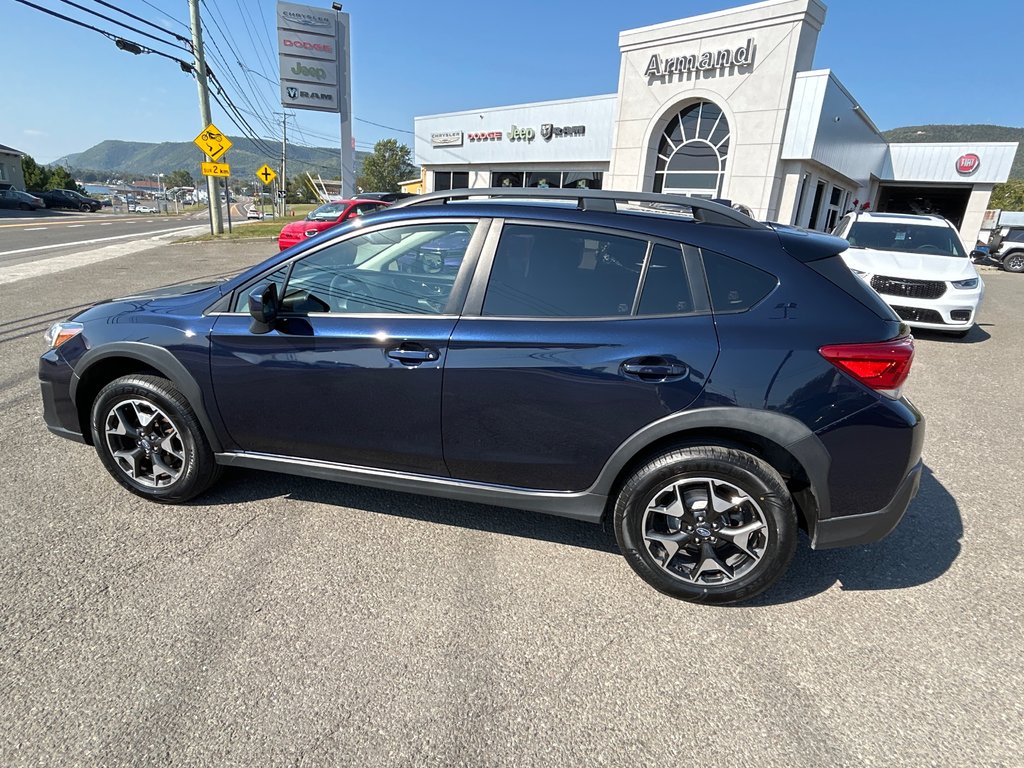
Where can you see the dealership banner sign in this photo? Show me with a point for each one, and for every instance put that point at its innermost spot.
(313, 57)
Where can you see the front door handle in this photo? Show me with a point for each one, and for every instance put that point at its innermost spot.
(654, 369)
(413, 353)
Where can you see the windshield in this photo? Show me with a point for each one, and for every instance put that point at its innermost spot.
(327, 212)
(910, 238)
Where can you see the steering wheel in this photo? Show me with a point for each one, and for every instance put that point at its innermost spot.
(430, 293)
(929, 247)
(350, 294)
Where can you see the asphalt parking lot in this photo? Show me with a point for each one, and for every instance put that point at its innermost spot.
(285, 621)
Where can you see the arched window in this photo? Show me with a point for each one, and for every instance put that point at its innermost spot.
(692, 152)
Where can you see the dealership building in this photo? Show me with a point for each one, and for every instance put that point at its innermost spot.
(722, 105)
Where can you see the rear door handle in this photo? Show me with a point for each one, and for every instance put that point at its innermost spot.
(654, 369)
(413, 353)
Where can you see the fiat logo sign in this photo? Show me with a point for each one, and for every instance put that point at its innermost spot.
(967, 164)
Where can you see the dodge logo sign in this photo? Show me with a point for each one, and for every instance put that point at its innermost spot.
(967, 164)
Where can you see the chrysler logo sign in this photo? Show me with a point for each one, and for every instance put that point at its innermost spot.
(446, 139)
(967, 164)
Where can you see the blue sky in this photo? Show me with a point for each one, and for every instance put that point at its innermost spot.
(66, 88)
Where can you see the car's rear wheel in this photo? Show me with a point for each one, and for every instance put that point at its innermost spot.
(706, 524)
(1014, 262)
(84, 208)
(149, 439)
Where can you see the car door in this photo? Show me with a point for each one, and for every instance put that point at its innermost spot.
(351, 372)
(572, 339)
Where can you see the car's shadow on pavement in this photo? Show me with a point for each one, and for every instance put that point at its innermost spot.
(921, 549)
(976, 335)
(241, 486)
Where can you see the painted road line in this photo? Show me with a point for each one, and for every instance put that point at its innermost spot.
(72, 226)
(33, 229)
(72, 260)
(90, 242)
(107, 224)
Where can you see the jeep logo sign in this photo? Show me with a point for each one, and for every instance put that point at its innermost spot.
(967, 164)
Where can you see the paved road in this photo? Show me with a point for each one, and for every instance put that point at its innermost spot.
(283, 621)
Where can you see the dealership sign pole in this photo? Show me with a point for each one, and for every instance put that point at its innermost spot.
(314, 57)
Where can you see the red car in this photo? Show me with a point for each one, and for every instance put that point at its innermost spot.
(326, 216)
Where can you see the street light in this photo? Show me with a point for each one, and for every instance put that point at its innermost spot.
(160, 189)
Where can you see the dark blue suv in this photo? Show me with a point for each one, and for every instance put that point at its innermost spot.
(703, 383)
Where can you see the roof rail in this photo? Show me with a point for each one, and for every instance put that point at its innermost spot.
(596, 200)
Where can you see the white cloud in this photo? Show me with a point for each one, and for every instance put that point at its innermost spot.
(33, 132)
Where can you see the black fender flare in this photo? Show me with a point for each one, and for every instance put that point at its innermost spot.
(789, 433)
(159, 359)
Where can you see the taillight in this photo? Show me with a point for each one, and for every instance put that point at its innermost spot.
(882, 365)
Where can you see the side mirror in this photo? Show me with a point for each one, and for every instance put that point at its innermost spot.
(263, 306)
(977, 255)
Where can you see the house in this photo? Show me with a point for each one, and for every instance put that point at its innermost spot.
(11, 174)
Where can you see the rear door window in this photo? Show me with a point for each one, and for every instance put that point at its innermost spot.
(666, 288)
(541, 271)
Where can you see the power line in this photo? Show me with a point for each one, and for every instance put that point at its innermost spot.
(379, 125)
(136, 30)
(146, 21)
(160, 10)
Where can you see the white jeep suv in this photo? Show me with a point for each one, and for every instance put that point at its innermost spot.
(918, 265)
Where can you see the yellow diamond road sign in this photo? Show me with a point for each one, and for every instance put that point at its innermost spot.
(213, 142)
(216, 169)
(266, 174)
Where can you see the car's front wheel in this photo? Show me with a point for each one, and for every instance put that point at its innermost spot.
(1014, 262)
(149, 439)
(706, 524)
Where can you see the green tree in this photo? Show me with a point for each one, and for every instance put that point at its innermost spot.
(298, 191)
(388, 164)
(36, 176)
(179, 178)
(61, 178)
(1008, 196)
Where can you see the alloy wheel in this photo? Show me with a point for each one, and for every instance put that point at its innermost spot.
(705, 531)
(144, 443)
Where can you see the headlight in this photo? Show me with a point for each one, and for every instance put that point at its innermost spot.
(58, 333)
(965, 284)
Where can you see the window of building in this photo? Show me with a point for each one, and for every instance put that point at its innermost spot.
(444, 180)
(836, 199)
(556, 272)
(817, 213)
(692, 152)
(548, 179)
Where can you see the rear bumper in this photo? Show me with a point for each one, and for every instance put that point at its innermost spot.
(853, 530)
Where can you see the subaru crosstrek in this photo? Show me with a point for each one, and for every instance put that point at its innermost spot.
(703, 383)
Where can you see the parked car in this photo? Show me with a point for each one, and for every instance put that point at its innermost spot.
(703, 383)
(326, 216)
(252, 212)
(145, 209)
(15, 198)
(67, 198)
(1006, 247)
(918, 265)
(388, 197)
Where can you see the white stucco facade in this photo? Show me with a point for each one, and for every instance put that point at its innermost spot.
(723, 105)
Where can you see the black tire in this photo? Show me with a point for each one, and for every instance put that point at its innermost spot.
(195, 469)
(85, 208)
(24, 207)
(1014, 262)
(767, 494)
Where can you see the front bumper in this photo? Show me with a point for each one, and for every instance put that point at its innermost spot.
(59, 412)
(854, 530)
(938, 314)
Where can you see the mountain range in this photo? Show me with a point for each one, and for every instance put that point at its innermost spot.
(139, 158)
(121, 158)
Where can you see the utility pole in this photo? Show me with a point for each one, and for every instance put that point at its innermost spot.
(283, 192)
(216, 218)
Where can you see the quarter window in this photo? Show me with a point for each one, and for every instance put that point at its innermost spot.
(555, 272)
(735, 286)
